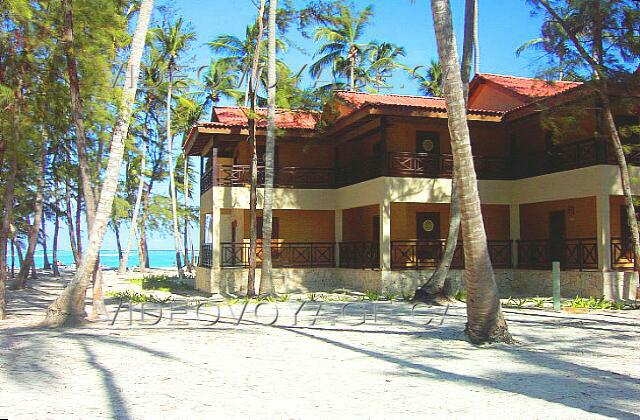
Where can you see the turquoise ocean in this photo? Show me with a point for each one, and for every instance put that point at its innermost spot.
(109, 258)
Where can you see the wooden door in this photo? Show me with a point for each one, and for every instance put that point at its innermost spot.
(428, 235)
(375, 228)
(557, 236)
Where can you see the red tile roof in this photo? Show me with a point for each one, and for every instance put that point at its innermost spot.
(285, 119)
(358, 100)
(529, 87)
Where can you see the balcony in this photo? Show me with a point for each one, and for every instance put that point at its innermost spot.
(287, 254)
(421, 255)
(419, 165)
(286, 177)
(622, 255)
(573, 254)
(571, 156)
(359, 255)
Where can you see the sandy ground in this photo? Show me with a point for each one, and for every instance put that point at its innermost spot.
(564, 366)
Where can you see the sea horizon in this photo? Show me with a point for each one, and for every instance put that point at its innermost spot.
(158, 258)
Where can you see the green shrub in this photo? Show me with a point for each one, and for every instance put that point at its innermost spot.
(161, 283)
(135, 297)
(461, 295)
(371, 295)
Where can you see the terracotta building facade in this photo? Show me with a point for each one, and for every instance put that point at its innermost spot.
(362, 192)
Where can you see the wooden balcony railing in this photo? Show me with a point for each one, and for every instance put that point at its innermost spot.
(573, 254)
(419, 165)
(286, 177)
(283, 254)
(413, 254)
(359, 254)
(204, 257)
(622, 255)
(570, 156)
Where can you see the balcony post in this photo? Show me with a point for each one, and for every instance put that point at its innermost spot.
(385, 234)
(514, 223)
(603, 227)
(337, 235)
(214, 167)
(214, 230)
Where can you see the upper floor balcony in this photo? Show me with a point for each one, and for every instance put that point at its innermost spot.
(423, 165)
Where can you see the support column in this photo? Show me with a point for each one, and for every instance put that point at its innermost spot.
(514, 229)
(337, 234)
(603, 227)
(214, 230)
(385, 234)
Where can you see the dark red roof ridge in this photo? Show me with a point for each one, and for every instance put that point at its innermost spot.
(391, 94)
(530, 78)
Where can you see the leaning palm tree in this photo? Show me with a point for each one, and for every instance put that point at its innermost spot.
(266, 281)
(434, 288)
(485, 322)
(429, 83)
(173, 41)
(69, 306)
(342, 52)
(220, 80)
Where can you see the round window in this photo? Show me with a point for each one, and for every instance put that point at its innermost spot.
(428, 225)
(427, 145)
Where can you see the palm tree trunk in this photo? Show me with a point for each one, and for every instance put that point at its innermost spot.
(7, 217)
(34, 230)
(266, 280)
(77, 111)
(13, 258)
(595, 62)
(78, 223)
(69, 306)
(172, 182)
(485, 322)
(618, 150)
(143, 257)
(476, 40)
(253, 194)
(43, 232)
(136, 208)
(70, 224)
(56, 229)
(434, 288)
(185, 183)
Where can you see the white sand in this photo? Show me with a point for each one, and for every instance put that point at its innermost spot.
(565, 366)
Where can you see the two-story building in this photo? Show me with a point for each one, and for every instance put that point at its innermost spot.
(362, 191)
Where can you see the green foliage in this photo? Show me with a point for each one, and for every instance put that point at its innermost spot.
(596, 303)
(313, 297)
(135, 297)
(390, 296)
(371, 295)
(461, 295)
(161, 283)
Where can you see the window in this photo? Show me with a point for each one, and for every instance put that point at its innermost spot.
(275, 228)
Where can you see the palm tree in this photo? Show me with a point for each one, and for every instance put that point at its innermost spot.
(434, 288)
(172, 42)
(69, 306)
(430, 83)
(253, 193)
(342, 52)
(239, 53)
(220, 80)
(485, 321)
(553, 42)
(382, 60)
(266, 281)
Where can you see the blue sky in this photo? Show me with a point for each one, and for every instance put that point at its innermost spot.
(504, 25)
